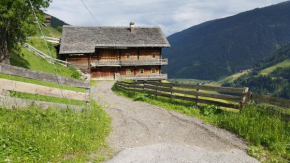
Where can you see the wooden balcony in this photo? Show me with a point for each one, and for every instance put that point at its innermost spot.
(118, 63)
(145, 77)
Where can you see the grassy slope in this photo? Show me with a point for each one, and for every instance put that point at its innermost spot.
(255, 125)
(28, 60)
(52, 135)
(49, 32)
(268, 70)
(233, 77)
(40, 45)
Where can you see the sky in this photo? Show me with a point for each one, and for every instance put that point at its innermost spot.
(171, 15)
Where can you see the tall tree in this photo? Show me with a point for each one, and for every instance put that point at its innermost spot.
(16, 22)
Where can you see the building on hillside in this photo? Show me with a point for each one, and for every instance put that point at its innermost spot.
(111, 53)
(47, 21)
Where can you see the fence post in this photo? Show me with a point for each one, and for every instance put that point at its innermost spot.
(171, 91)
(197, 97)
(156, 91)
(245, 97)
(144, 86)
(88, 91)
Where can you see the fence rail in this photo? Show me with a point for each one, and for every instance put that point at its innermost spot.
(192, 93)
(45, 56)
(10, 85)
(135, 62)
(203, 94)
(271, 100)
(145, 77)
(37, 75)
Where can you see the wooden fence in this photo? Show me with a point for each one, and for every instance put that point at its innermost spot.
(221, 96)
(37, 75)
(10, 85)
(195, 93)
(271, 100)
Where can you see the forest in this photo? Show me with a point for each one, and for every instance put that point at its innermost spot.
(275, 83)
(222, 47)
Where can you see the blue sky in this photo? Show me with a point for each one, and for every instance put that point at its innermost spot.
(171, 15)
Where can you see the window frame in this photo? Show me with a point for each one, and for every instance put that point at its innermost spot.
(128, 71)
(128, 56)
(153, 55)
(142, 71)
(154, 71)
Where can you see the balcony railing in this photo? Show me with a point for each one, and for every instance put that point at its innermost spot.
(142, 62)
(145, 77)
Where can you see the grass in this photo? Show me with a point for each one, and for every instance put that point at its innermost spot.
(233, 77)
(43, 83)
(40, 45)
(188, 81)
(268, 134)
(49, 32)
(27, 59)
(268, 70)
(46, 98)
(52, 135)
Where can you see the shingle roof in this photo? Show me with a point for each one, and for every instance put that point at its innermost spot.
(76, 39)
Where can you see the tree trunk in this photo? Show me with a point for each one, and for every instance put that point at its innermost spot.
(4, 54)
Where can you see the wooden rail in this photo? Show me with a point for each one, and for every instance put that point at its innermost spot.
(271, 100)
(145, 77)
(42, 76)
(10, 85)
(191, 92)
(196, 94)
(135, 62)
(45, 56)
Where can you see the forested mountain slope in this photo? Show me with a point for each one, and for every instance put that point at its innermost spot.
(55, 22)
(225, 46)
(271, 76)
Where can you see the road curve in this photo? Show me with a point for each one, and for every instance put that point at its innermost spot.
(144, 133)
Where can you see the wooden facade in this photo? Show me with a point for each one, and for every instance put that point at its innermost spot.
(117, 52)
(112, 67)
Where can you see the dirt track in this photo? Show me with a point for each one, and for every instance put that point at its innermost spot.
(145, 133)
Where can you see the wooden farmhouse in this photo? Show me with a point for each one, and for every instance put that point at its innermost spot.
(111, 53)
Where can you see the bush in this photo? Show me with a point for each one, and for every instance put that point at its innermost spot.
(75, 74)
(209, 110)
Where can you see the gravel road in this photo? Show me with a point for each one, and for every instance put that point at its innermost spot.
(143, 133)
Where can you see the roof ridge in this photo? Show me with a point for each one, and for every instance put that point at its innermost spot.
(70, 26)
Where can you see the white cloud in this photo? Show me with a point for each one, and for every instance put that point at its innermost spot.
(171, 15)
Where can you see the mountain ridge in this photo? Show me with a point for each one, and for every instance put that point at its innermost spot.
(224, 46)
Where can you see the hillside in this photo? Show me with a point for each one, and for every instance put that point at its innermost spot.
(24, 58)
(55, 22)
(271, 76)
(226, 46)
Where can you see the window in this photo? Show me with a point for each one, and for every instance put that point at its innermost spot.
(141, 71)
(153, 70)
(127, 55)
(153, 55)
(128, 72)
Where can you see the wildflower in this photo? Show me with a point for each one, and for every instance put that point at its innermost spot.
(7, 160)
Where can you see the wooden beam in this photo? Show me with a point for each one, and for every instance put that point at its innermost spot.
(41, 90)
(271, 100)
(42, 76)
